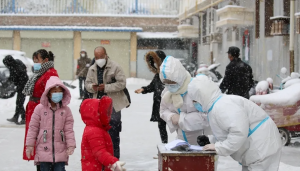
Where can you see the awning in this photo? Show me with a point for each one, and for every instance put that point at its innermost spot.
(73, 28)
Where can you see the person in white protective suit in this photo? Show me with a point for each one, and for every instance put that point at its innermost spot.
(176, 107)
(241, 128)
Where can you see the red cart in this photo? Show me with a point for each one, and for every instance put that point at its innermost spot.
(284, 108)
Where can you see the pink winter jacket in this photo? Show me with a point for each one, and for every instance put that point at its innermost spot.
(45, 122)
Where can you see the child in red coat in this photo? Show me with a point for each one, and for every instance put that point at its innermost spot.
(96, 145)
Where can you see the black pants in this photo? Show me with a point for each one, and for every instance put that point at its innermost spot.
(20, 105)
(81, 81)
(162, 126)
(114, 132)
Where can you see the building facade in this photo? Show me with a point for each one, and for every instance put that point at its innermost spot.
(260, 28)
(66, 27)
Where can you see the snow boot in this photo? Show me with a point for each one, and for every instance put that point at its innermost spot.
(22, 122)
(13, 119)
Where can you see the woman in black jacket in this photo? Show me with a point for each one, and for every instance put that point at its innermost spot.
(154, 60)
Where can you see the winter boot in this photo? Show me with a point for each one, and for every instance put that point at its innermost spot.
(13, 119)
(22, 122)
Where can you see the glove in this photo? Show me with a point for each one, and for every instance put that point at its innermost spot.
(29, 151)
(70, 150)
(209, 147)
(87, 65)
(175, 119)
(118, 166)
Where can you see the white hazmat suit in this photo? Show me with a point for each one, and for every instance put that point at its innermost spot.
(241, 128)
(191, 122)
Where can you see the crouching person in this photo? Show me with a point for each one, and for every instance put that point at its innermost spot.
(242, 129)
(51, 128)
(176, 107)
(96, 146)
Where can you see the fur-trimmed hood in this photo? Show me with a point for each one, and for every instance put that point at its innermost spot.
(154, 61)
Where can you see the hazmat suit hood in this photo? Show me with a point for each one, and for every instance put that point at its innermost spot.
(204, 91)
(173, 70)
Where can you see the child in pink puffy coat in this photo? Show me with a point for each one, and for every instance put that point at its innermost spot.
(51, 128)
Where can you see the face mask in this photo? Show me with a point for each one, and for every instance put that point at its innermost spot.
(57, 97)
(37, 66)
(173, 87)
(100, 62)
(83, 55)
(198, 106)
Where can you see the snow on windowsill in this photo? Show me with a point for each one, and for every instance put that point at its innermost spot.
(279, 17)
(285, 97)
(225, 8)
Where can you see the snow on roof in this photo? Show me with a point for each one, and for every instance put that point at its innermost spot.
(157, 35)
(93, 15)
(285, 97)
(229, 6)
(73, 28)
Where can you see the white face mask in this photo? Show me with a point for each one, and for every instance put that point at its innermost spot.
(83, 55)
(100, 62)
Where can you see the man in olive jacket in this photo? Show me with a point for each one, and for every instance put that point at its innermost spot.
(83, 65)
(106, 77)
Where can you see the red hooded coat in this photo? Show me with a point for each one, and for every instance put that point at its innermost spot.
(38, 90)
(96, 145)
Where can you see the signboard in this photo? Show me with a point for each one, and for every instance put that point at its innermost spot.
(105, 42)
(46, 44)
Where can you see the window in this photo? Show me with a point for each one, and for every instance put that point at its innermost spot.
(269, 12)
(257, 19)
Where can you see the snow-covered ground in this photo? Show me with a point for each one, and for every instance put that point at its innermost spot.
(139, 137)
